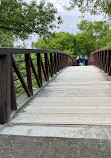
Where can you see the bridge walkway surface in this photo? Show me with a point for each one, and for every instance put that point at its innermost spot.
(76, 96)
(74, 104)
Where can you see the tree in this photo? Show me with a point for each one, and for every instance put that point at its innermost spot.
(6, 39)
(58, 41)
(93, 35)
(23, 19)
(97, 31)
(105, 41)
(93, 6)
(84, 44)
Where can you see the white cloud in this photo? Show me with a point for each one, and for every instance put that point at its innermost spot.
(52, 1)
(59, 4)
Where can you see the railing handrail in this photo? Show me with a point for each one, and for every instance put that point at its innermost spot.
(5, 51)
(99, 50)
(19, 75)
(102, 59)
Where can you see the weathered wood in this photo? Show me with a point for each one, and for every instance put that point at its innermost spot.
(5, 88)
(84, 98)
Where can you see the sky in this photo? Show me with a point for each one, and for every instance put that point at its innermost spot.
(70, 20)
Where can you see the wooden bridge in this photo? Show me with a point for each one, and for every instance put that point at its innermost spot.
(43, 87)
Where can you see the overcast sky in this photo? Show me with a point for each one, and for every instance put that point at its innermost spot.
(70, 19)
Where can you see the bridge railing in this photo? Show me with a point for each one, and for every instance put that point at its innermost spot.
(23, 72)
(102, 59)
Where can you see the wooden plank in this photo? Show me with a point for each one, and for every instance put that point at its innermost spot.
(78, 95)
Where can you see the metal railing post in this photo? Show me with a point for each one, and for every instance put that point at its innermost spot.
(5, 88)
(109, 63)
(52, 65)
(55, 63)
(28, 70)
(46, 65)
(39, 67)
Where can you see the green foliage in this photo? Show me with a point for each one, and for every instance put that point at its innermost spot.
(96, 28)
(94, 35)
(71, 53)
(84, 44)
(105, 41)
(95, 7)
(23, 19)
(59, 41)
(6, 39)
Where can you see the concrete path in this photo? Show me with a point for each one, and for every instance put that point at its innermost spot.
(34, 147)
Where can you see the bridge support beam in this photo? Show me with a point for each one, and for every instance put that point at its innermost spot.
(5, 88)
(109, 63)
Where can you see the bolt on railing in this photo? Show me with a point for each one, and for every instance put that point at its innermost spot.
(24, 70)
(102, 59)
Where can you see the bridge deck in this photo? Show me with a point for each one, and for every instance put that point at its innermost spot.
(77, 95)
